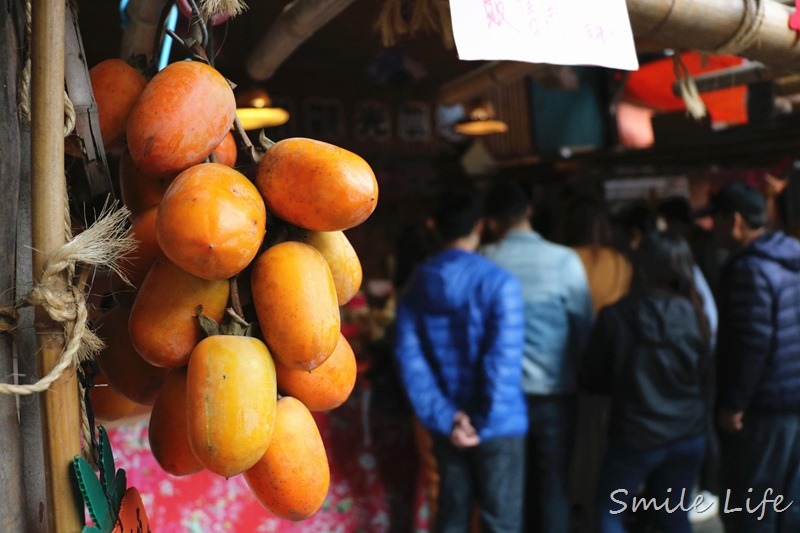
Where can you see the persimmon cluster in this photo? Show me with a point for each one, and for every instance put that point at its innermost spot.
(213, 245)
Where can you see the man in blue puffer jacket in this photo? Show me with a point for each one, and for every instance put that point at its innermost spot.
(458, 349)
(758, 365)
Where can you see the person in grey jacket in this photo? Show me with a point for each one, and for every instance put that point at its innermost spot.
(558, 315)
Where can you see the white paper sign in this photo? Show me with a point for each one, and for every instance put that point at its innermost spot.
(561, 32)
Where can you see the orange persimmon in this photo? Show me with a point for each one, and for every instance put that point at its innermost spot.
(211, 221)
(292, 478)
(126, 371)
(183, 113)
(316, 185)
(342, 260)
(227, 152)
(108, 405)
(117, 87)
(326, 387)
(295, 301)
(163, 325)
(137, 262)
(168, 431)
(231, 400)
(139, 191)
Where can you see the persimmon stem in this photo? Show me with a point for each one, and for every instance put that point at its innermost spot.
(236, 302)
(251, 150)
(237, 318)
(199, 23)
(209, 326)
(265, 142)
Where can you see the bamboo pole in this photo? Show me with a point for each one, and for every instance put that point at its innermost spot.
(60, 407)
(716, 26)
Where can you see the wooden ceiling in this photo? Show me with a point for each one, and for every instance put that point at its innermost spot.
(336, 59)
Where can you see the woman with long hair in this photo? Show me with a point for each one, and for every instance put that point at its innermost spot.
(650, 353)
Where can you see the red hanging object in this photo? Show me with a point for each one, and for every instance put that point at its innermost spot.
(794, 19)
(651, 86)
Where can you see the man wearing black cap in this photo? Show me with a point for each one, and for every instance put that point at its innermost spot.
(758, 364)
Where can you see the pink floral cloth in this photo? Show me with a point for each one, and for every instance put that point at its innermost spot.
(374, 486)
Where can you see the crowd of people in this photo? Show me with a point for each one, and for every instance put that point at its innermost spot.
(599, 384)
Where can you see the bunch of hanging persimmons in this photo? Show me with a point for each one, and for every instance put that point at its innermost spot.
(227, 396)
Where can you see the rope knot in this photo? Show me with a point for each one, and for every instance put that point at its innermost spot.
(60, 304)
(101, 245)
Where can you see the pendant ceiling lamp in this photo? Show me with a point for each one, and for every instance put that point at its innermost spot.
(255, 111)
(481, 119)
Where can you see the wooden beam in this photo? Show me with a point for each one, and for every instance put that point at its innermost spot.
(298, 21)
(717, 26)
(720, 26)
(480, 80)
(60, 407)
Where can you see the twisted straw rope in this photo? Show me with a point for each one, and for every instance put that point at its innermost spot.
(24, 95)
(101, 245)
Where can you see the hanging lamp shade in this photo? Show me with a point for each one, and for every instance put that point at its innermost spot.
(481, 119)
(255, 111)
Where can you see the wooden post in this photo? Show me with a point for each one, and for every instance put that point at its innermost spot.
(60, 407)
(11, 460)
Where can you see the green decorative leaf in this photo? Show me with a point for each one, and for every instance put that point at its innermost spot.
(117, 490)
(114, 481)
(93, 495)
(102, 496)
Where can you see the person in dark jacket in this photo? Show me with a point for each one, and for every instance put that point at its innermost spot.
(758, 364)
(649, 352)
(458, 350)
